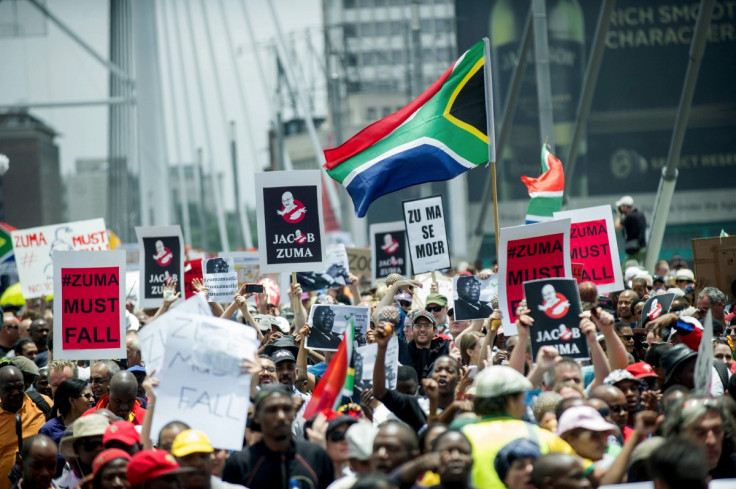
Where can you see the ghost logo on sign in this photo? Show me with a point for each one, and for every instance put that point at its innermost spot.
(299, 238)
(555, 305)
(654, 310)
(390, 245)
(565, 333)
(292, 210)
(163, 255)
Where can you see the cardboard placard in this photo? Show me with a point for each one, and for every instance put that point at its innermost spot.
(473, 296)
(328, 323)
(425, 229)
(89, 305)
(220, 278)
(162, 260)
(290, 223)
(365, 361)
(715, 264)
(34, 248)
(555, 307)
(389, 250)
(532, 252)
(359, 262)
(334, 275)
(593, 243)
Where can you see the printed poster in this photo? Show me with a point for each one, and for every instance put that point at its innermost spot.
(473, 296)
(328, 323)
(389, 250)
(334, 275)
(162, 261)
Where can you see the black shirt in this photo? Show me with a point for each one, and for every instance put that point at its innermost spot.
(406, 408)
(635, 227)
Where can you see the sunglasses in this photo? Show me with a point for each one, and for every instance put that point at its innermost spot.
(627, 337)
(405, 303)
(433, 308)
(604, 411)
(98, 380)
(87, 396)
(619, 408)
(337, 436)
(12, 326)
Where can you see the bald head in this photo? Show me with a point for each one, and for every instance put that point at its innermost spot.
(559, 470)
(123, 382)
(11, 388)
(123, 389)
(38, 462)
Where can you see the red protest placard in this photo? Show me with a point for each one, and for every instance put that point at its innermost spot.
(532, 252)
(578, 270)
(91, 308)
(192, 270)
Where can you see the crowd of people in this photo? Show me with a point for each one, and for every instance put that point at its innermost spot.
(470, 407)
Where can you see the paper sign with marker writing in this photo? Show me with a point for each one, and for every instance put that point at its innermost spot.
(532, 252)
(593, 243)
(425, 228)
(34, 248)
(200, 381)
(89, 304)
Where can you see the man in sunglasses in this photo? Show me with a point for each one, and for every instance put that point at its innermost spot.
(100, 375)
(619, 408)
(9, 333)
(436, 304)
(81, 447)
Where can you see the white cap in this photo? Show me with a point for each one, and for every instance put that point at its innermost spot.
(360, 440)
(625, 200)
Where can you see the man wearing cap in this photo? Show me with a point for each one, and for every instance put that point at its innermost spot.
(81, 447)
(278, 457)
(499, 402)
(425, 347)
(436, 304)
(121, 399)
(684, 277)
(14, 401)
(193, 450)
(283, 355)
(634, 224)
(124, 436)
(37, 462)
(154, 469)
(109, 469)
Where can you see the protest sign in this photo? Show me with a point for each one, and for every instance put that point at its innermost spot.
(389, 250)
(577, 271)
(425, 229)
(654, 307)
(555, 306)
(162, 261)
(328, 322)
(359, 262)
(473, 296)
(365, 361)
(715, 263)
(152, 338)
(532, 252)
(247, 265)
(192, 270)
(200, 381)
(445, 286)
(290, 223)
(132, 277)
(220, 278)
(89, 305)
(704, 364)
(34, 248)
(593, 243)
(334, 275)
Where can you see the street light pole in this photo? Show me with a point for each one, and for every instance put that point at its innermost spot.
(4, 167)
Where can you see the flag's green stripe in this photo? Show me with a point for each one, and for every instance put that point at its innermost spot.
(544, 206)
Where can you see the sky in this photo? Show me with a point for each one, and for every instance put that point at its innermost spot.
(50, 67)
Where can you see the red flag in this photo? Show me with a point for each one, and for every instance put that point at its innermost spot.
(328, 391)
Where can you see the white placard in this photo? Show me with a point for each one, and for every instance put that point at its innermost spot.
(593, 243)
(290, 221)
(334, 275)
(530, 252)
(161, 261)
(328, 323)
(89, 305)
(425, 229)
(247, 265)
(473, 296)
(34, 248)
(220, 278)
(704, 364)
(389, 250)
(365, 361)
(200, 381)
(444, 285)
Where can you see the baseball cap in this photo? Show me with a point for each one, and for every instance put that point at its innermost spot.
(122, 431)
(281, 323)
(625, 200)
(360, 440)
(585, 417)
(264, 321)
(438, 299)
(421, 313)
(191, 441)
(282, 355)
(641, 370)
(147, 465)
(337, 422)
(617, 376)
(137, 368)
(500, 380)
(403, 296)
(106, 456)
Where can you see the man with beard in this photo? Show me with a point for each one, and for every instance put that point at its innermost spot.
(38, 458)
(425, 348)
(277, 458)
(413, 410)
(286, 373)
(193, 450)
(14, 401)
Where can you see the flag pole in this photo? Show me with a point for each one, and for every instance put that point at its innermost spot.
(491, 131)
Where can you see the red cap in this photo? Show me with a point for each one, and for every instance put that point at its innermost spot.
(147, 465)
(641, 370)
(106, 456)
(122, 431)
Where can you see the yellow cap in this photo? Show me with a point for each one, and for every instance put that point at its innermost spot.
(190, 441)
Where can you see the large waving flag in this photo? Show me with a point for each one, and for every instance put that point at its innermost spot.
(438, 136)
(545, 192)
(338, 379)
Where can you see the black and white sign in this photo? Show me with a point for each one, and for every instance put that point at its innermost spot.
(555, 307)
(389, 250)
(220, 278)
(161, 261)
(473, 296)
(655, 307)
(425, 229)
(328, 323)
(290, 223)
(334, 275)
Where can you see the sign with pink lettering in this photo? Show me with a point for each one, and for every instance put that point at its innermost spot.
(34, 248)
(89, 305)
(532, 251)
(593, 243)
